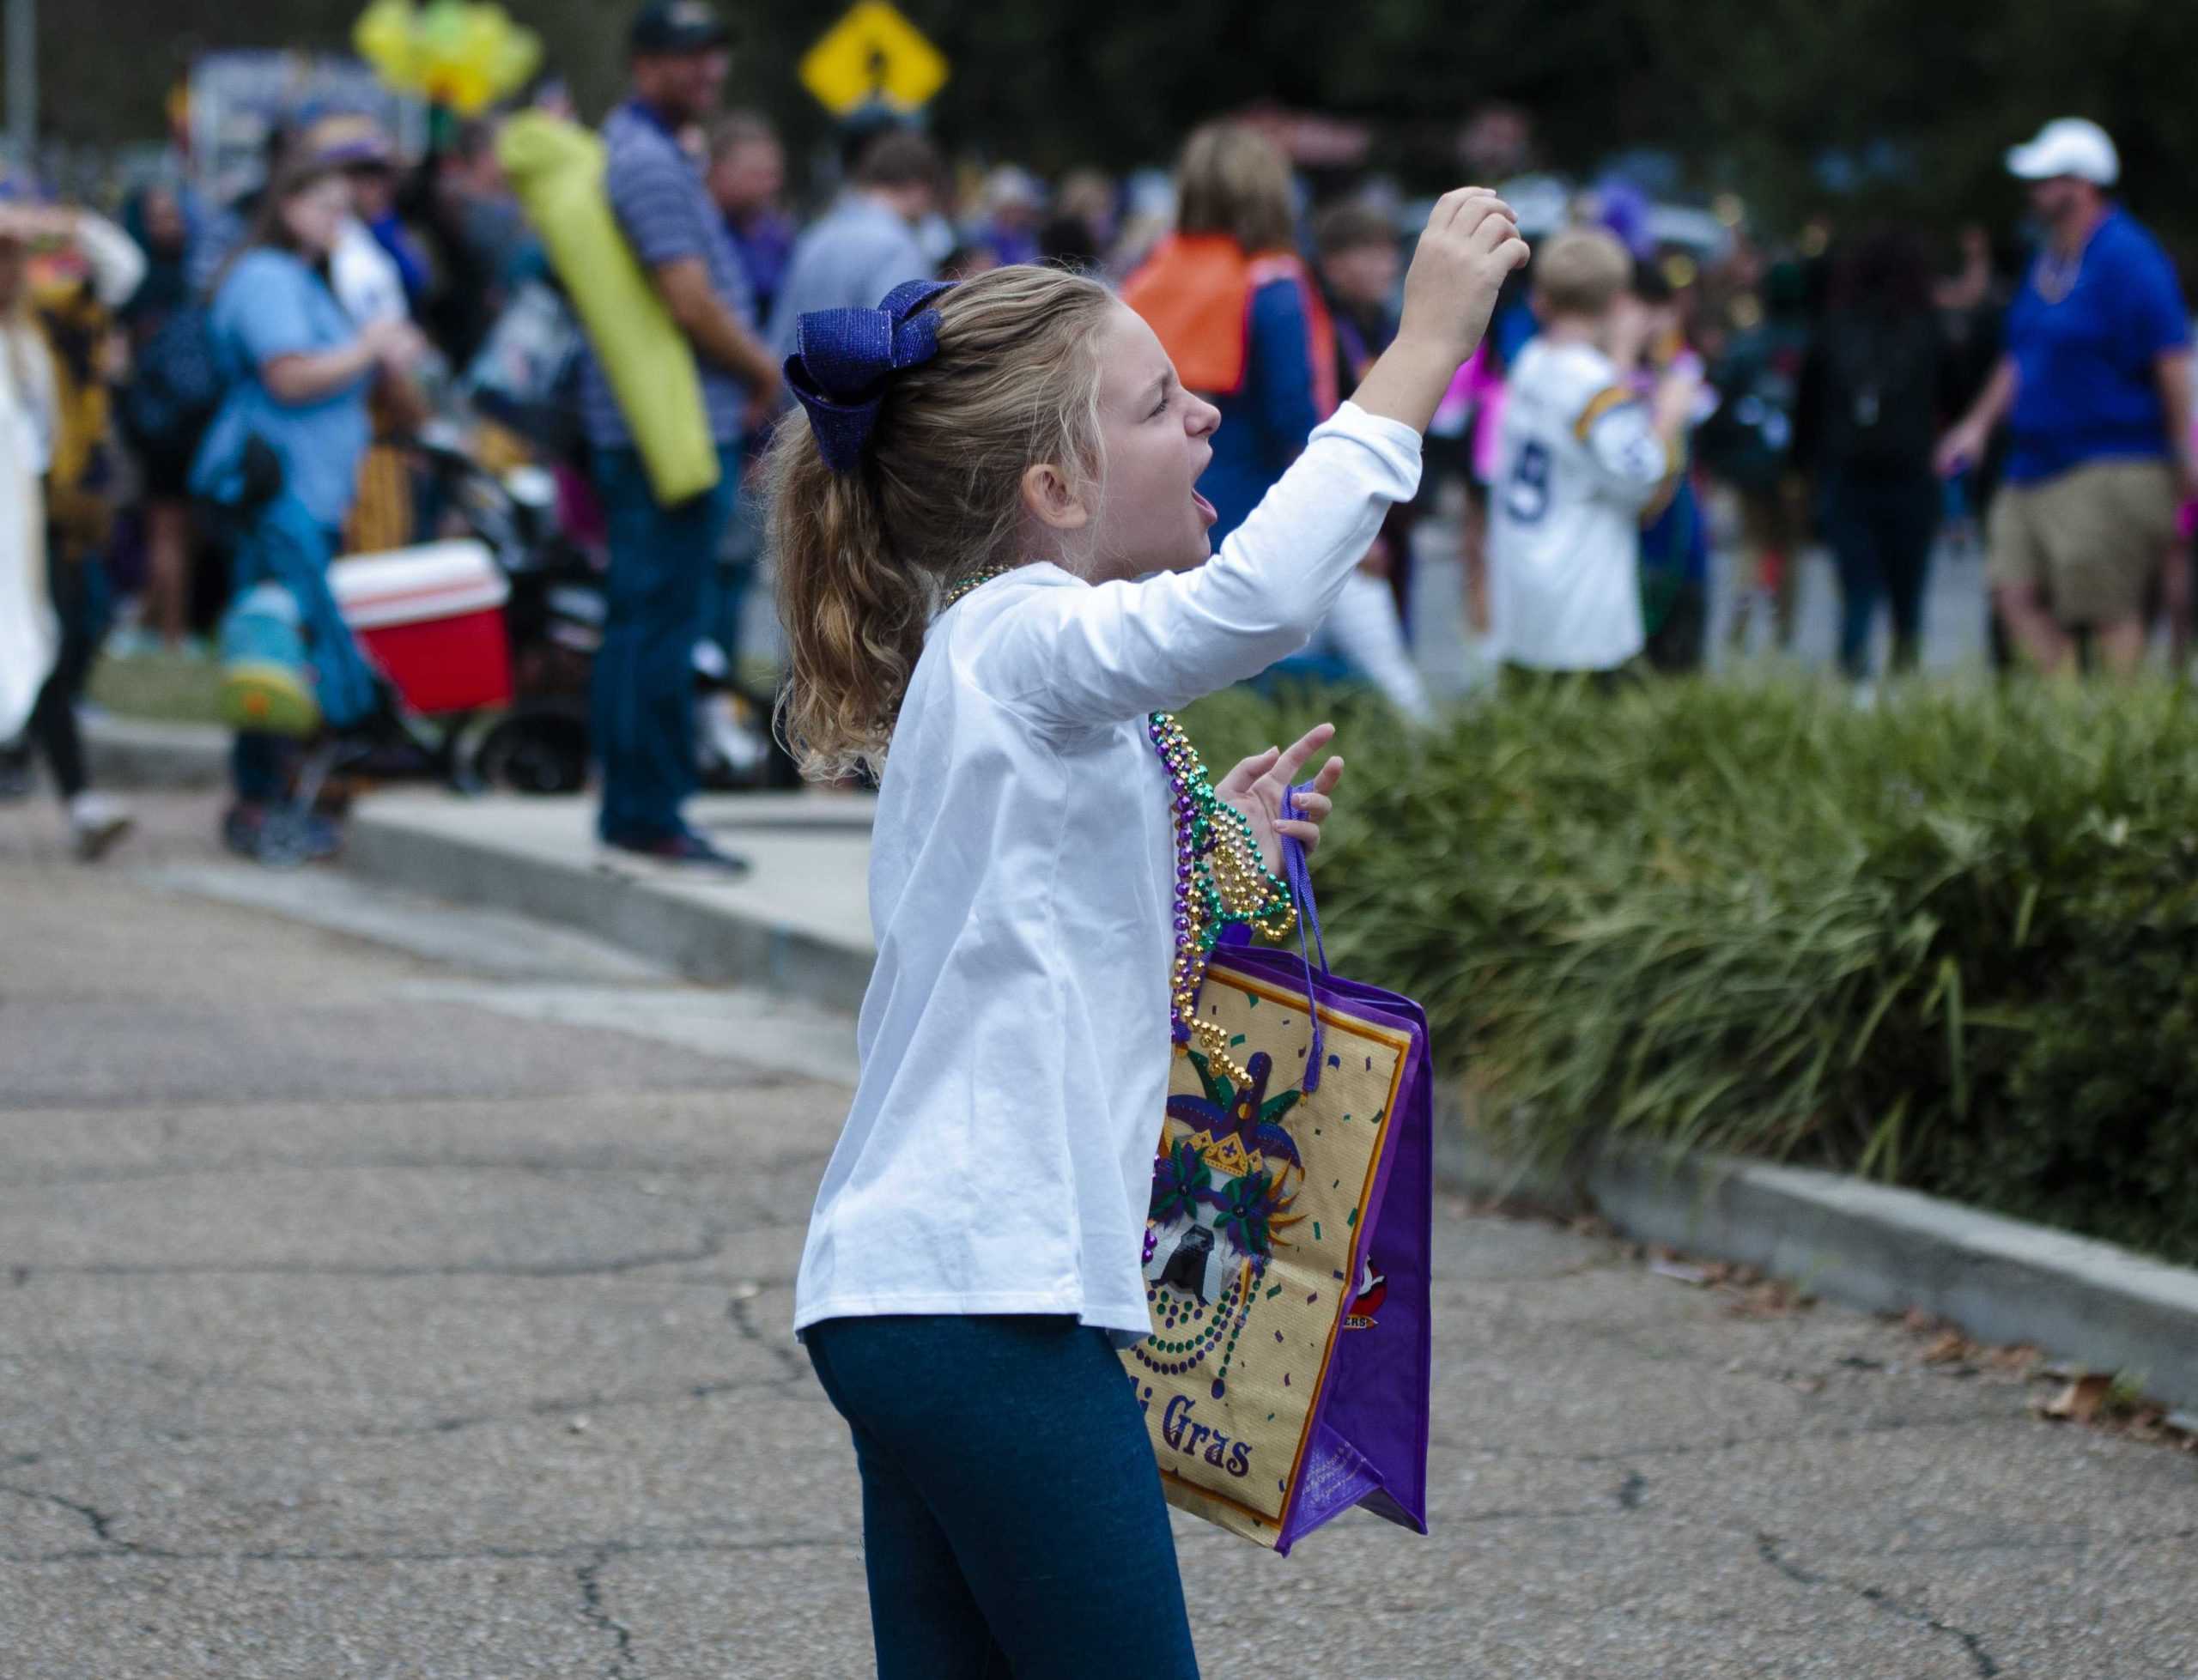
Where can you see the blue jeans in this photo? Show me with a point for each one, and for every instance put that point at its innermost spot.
(1012, 1514)
(732, 580)
(661, 559)
(84, 601)
(1880, 530)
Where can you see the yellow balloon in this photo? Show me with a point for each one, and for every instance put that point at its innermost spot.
(462, 88)
(383, 36)
(440, 33)
(462, 55)
(518, 55)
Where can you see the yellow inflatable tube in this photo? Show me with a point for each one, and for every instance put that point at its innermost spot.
(557, 169)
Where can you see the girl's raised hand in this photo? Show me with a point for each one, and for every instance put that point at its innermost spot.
(1257, 785)
(1471, 245)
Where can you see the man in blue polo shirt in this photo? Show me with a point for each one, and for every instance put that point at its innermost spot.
(2095, 388)
(661, 558)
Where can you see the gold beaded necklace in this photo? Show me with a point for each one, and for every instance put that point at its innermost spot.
(962, 586)
(1219, 879)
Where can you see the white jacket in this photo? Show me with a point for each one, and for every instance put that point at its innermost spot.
(28, 634)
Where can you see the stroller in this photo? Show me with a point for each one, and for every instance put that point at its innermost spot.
(554, 616)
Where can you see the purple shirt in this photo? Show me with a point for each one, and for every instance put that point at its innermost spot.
(764, 247)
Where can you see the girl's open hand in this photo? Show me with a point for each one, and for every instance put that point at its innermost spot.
(1257, 785)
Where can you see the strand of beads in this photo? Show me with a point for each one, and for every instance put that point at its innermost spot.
(962, 586)
(1230, 1314)
(1219, 879)
(1201, 1334)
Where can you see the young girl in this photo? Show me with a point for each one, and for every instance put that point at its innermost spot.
(991, 554)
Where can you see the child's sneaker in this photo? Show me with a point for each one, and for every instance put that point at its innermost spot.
(96, 822)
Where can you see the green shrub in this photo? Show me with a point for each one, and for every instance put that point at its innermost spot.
(1951, 943)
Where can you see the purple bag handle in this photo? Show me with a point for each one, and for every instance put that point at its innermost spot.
(1297, 869)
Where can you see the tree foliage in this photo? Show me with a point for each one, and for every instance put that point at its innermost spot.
(1750, 95)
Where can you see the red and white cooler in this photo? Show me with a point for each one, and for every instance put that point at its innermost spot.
(432, 618)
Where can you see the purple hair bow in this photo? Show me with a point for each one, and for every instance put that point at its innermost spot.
(843, 359)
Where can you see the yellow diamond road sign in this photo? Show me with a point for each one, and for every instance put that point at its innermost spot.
(873, 55)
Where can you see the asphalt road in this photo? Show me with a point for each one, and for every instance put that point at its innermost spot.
(415, 1304)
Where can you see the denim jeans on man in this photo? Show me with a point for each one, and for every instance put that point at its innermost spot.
(1012, 1520)
(661, 561)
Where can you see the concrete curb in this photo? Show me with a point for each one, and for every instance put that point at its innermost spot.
(135, 754)
(713, 943)
(1874, 1247)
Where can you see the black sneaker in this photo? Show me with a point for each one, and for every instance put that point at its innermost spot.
(685, 851)
(15, 773)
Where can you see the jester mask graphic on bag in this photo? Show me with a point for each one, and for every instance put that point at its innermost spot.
(1221, 1196)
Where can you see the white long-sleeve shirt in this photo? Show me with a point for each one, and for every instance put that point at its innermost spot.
(1014, 1041)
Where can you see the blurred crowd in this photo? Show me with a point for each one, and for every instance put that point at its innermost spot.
(207, 404)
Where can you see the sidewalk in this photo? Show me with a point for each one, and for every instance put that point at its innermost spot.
(135, 755)
(800, 923)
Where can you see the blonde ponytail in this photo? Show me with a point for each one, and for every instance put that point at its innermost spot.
(863, 557)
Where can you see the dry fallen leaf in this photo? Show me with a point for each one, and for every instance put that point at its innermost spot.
(2080, 1402)
(1773, 1298)
(1945, 1347)
(1917, 1319)
(2148, 1423)
(2016, 1361)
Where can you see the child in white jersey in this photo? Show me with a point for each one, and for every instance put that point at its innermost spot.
(1584, 462)
(991, 554)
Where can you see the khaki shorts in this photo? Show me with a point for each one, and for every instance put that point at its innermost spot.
(2089, 541)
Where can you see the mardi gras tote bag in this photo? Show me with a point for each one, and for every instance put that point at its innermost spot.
(557, 169)
(1286, 1255)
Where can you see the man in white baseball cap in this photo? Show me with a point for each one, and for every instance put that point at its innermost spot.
(2072, 147)
(2095, 387)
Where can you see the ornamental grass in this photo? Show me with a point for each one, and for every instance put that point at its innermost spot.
(1949, 942)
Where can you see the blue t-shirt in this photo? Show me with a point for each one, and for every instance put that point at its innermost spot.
(666, 213)
(273, 304)
(1264, 424)
(2087, 385)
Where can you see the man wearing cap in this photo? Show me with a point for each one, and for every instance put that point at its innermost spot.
(2095, 388)
(661, 557)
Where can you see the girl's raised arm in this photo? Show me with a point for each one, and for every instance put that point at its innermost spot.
(1081, 657)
